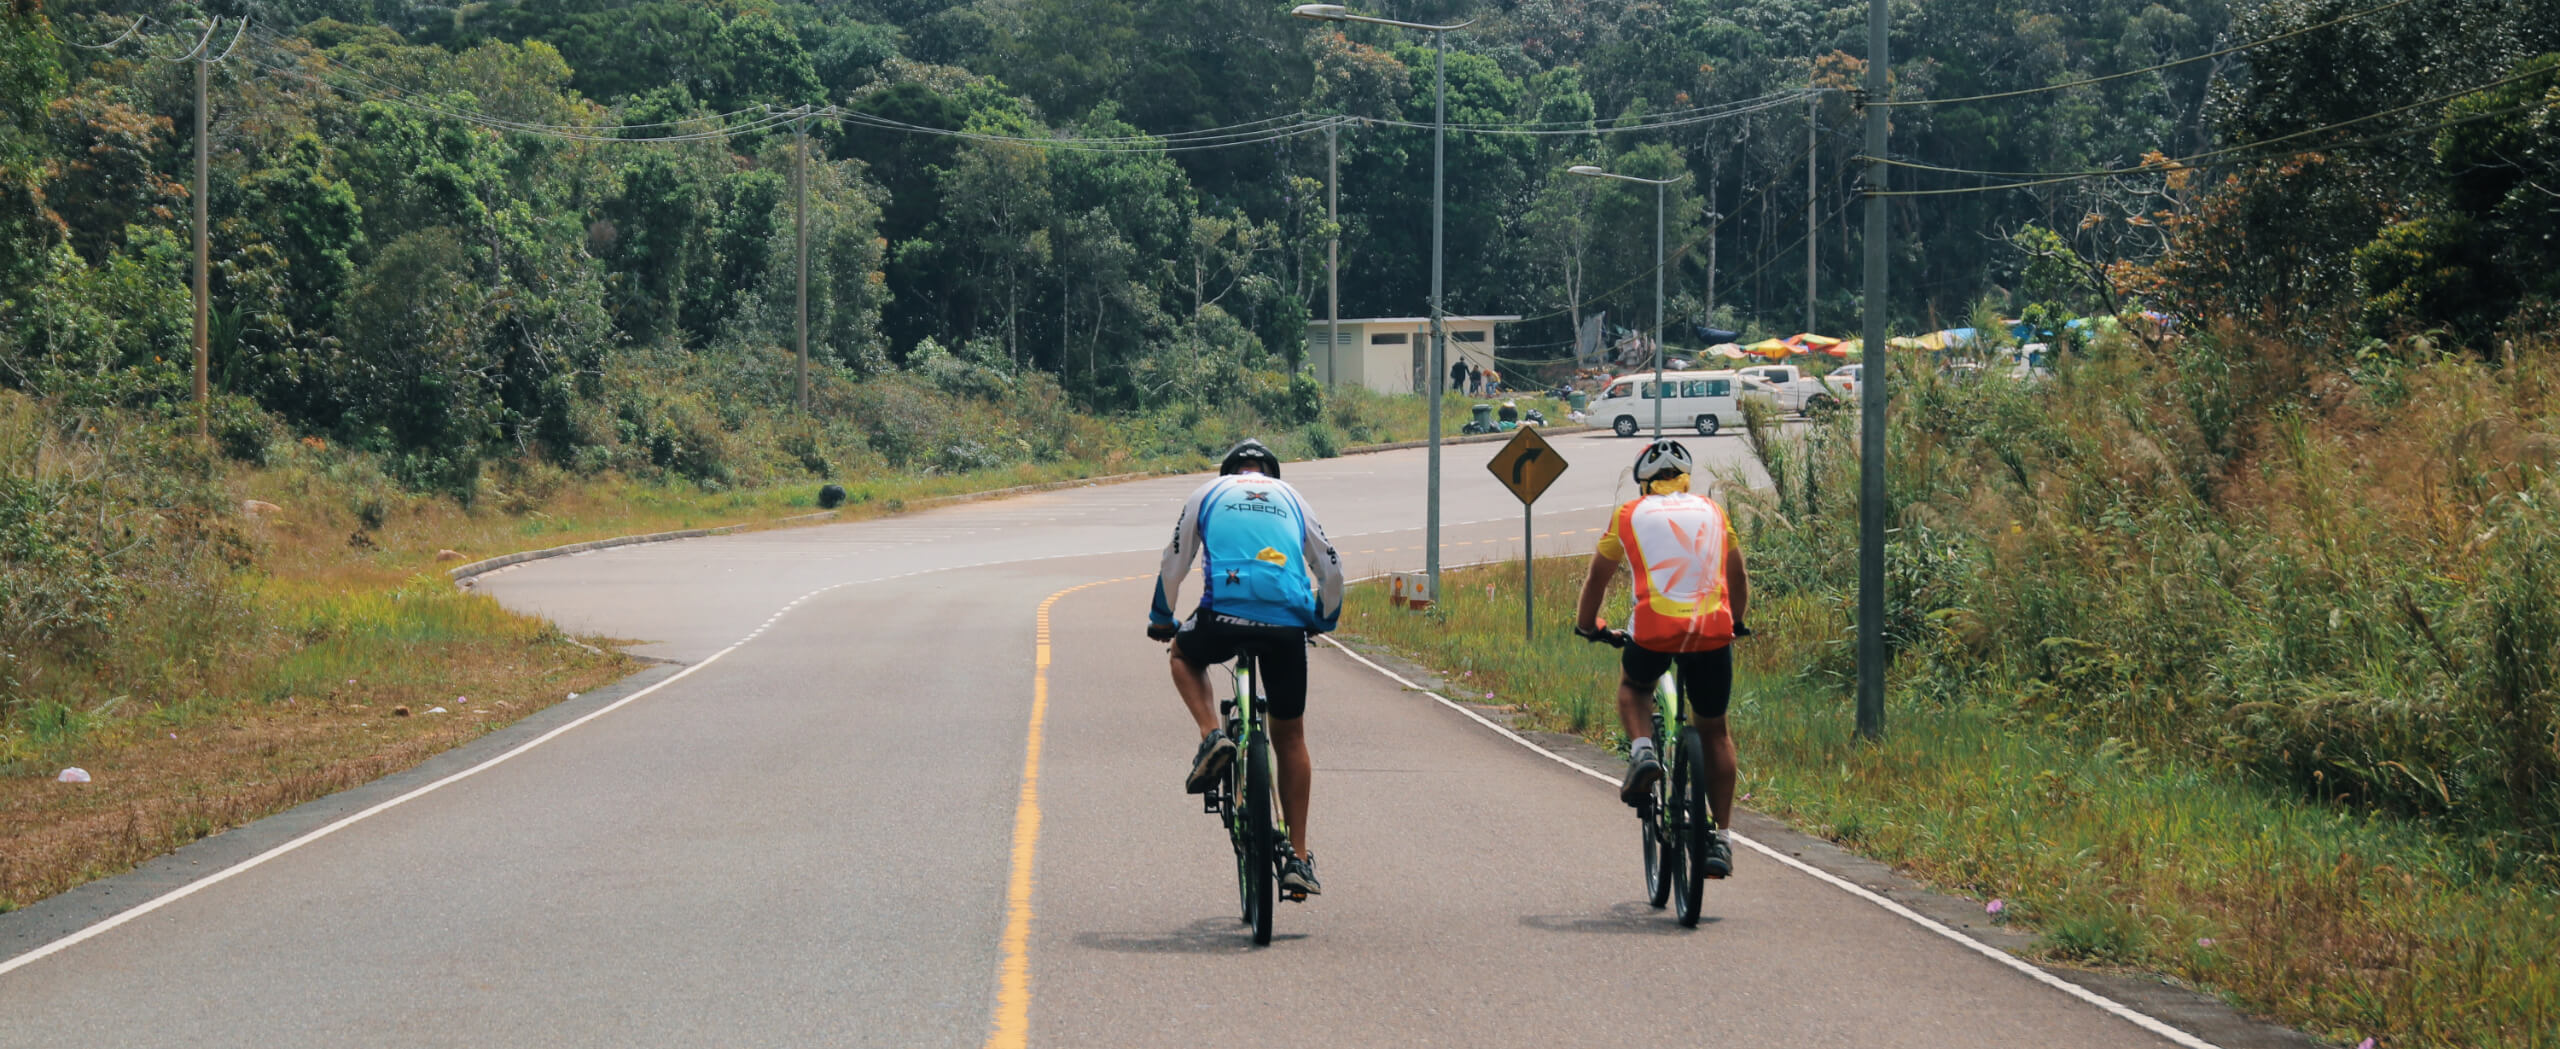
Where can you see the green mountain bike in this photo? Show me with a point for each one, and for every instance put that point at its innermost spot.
(1676, 818)
(1247, 801)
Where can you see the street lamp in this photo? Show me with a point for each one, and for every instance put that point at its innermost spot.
(1439, 330)
(1658, 184)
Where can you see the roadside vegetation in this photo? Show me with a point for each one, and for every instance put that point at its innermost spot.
(2214, 658)
(216, 635)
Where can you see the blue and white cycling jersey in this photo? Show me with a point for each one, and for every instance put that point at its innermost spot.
(1256, 542)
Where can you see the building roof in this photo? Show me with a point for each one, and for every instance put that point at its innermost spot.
(1420, 320)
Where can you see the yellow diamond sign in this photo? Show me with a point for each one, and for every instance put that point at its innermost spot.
(1527, 465)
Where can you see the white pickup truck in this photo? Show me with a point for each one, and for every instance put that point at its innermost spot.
(1794, 391)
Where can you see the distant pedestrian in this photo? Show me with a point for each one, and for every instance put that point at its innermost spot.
(1458, 376)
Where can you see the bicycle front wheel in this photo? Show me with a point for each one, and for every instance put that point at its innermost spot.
(1692, 822)
(1257, 868)
(1661, 854)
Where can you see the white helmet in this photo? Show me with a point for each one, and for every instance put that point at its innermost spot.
(1662, 459)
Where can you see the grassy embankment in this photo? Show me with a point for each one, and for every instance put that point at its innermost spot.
(2213, 662)
(208, 665)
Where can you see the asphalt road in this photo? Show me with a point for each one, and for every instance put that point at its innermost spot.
(876, 811)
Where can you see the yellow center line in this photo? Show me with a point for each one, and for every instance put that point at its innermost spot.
(1013, 977)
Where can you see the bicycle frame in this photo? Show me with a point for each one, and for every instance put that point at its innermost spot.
(1255, 826)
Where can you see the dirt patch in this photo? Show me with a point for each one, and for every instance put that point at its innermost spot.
(161, 788)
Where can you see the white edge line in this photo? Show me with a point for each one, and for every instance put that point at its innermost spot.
(225, 874)
(90, 932)
(109, 923)
(2110, 1005)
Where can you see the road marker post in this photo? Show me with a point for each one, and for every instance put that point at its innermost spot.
(1527, 465)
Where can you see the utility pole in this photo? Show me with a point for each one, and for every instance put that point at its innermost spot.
(1333, 257)
(1439, 367)
(1659, 188)
(1878, 366)
(1715, 224)
(800, 218)
(204, 397)
(1812, 192)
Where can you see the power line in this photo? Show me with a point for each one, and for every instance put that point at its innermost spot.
(2258, 147)
(1739, 109)
(2084, 82)
(138, 22)
(575, 133)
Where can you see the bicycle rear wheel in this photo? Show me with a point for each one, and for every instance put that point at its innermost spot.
(1661, 855)
(1688, 781)
(1254, 862)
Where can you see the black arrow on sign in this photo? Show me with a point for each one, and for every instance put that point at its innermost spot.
(1520, 465)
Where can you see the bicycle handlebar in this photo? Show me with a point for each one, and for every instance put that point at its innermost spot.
(1619, 638)
(1611, 638)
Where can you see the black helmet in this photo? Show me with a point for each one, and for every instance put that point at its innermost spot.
(1250, 451)
(1662, 459)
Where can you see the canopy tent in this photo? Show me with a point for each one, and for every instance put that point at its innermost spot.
(1728, 350)
(1773, 349)
(1808, 342)
(1854, 349)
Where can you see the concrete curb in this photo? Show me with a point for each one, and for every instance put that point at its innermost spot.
(1479, 438)
(462, 575)
(519, 557)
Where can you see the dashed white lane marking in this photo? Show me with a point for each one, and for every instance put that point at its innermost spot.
(2109, 1005)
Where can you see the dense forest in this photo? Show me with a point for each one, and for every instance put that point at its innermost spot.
(450, 233)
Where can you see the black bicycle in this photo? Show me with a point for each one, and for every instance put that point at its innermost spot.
(1676, 817)
(1247, 801)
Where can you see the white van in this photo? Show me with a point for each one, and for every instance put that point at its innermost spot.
(1701, 401)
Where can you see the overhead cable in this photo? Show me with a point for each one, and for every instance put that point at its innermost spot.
(2086, 81)
(138, 22)
(2259, 147)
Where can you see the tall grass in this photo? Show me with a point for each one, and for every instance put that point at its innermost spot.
(2337, 582)
(2348, 923)
(2222, 657)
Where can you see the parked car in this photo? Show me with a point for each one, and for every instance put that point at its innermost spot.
(1700, 401)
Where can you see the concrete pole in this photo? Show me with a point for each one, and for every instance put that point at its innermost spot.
(1877, 370)
(204, 396)
(1439, 364)
(1333, 257)
(1659, 188)
(1812, 192)
(800, 219)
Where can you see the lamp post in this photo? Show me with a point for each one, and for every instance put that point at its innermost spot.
(1660, 186)
(1439, 329)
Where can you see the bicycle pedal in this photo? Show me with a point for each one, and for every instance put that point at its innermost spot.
(1294, 897)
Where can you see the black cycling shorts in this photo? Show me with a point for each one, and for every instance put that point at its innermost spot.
(1706, 676)
(1281, 652)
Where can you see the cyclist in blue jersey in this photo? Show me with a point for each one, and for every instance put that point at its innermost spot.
(1256, 543)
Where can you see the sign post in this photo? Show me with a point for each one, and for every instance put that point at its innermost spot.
(1527, 465)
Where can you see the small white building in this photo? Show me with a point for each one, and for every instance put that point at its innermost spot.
(1390, 354)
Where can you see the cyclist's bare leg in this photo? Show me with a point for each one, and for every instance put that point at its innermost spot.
(1289, 746)
(1193, 684)
(1722, 766)
(1635, 708)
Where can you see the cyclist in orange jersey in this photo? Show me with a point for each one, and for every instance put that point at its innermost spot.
(1690, 595)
